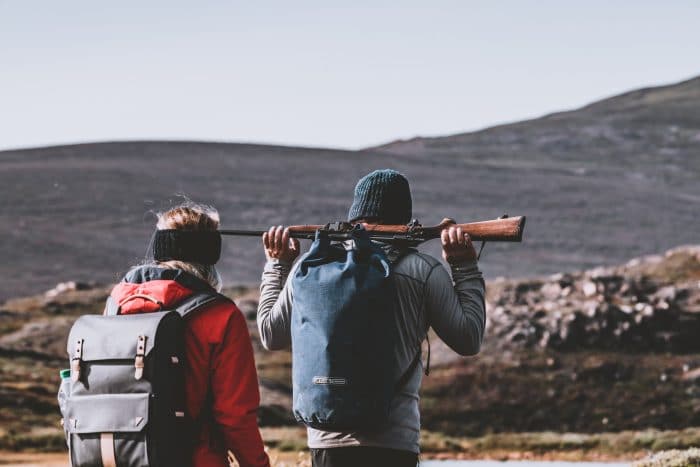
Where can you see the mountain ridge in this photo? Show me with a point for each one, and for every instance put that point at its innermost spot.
(641, 92)
(62, 146)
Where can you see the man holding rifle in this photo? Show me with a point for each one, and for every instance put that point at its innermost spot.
(424, 296)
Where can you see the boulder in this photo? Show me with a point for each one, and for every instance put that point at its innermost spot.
(605, 308)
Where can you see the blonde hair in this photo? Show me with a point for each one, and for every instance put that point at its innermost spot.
(191, 216)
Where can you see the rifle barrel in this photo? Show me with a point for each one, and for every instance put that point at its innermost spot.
(243, 233)
(509, 229)
(259, 233)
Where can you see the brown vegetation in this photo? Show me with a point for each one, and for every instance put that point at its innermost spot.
(518, 397)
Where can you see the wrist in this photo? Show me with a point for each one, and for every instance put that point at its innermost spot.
(278, 266)
(464, 266)
(282, 261)
(457, 260)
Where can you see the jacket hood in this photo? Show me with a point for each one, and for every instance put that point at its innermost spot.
(149, 288)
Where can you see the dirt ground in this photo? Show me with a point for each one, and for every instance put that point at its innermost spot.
(9, 459)
(14, 459)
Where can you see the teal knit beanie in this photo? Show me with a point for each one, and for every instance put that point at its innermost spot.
(383, 195)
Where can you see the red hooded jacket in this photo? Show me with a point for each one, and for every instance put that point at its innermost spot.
(221, 381)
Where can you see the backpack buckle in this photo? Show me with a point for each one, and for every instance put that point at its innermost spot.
(139, 360)
(76, 361)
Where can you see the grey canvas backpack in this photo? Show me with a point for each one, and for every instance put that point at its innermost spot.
(126, 402)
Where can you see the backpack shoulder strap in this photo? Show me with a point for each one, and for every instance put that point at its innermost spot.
(395, 256)
(198, 301)
(111, 307)
(185, 307)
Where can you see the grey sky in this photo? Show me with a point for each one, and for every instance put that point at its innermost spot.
(314, 73)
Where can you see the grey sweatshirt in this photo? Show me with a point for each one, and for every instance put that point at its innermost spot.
(427, 297)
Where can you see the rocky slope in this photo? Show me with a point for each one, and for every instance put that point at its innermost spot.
(648, 305)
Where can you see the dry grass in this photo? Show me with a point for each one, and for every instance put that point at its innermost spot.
(300, 459)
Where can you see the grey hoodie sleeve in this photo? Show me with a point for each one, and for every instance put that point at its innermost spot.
(456, 308)
(275, 306)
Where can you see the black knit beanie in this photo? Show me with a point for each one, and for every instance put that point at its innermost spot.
(384, 195)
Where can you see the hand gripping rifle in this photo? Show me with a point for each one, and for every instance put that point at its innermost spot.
(503, 229)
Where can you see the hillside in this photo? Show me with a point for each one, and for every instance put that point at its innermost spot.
(570, 382)
(634, 124)
(601, 184)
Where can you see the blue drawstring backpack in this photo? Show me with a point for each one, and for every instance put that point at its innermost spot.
(344, 335)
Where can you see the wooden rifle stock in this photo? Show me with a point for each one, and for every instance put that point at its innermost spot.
(509, 229)
(506, 229)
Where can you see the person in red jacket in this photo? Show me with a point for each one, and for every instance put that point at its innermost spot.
(221, 381)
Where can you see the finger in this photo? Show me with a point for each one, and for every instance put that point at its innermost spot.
(272, 248)
(295, 244)
(278, 238)
(444, 237)
(285, 238)
(467, 240)
(453, 236)
(460, 236)
(271, 237)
